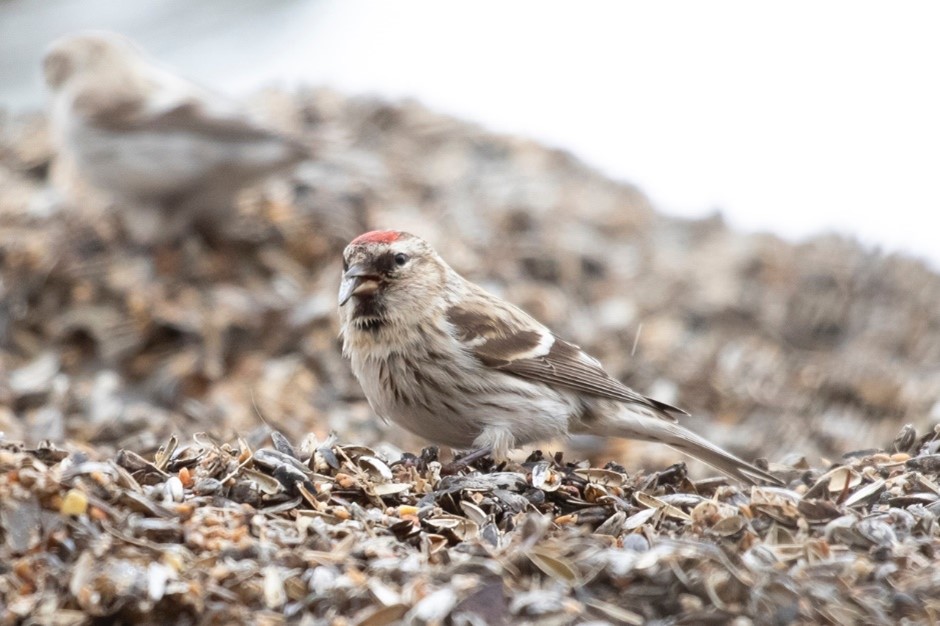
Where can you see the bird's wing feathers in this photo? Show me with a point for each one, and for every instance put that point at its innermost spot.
(505, 338)
(131, 107)
(195, 117)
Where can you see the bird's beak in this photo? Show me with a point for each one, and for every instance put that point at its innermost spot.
(56, 68)
(357, 280)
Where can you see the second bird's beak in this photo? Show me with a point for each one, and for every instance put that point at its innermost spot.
(357, 280)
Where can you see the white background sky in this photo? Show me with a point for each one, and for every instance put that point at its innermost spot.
(795, 117)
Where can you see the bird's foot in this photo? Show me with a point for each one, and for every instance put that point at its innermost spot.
(466, 461)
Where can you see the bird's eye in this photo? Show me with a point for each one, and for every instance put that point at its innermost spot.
(345, 265)
(400, 259)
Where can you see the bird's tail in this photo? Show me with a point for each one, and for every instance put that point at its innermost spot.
(634, 425)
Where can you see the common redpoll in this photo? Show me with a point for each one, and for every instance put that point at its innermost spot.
(152, 139)
(448, 361)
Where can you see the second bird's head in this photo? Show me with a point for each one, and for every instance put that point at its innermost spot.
(389, 277)
(99, 53)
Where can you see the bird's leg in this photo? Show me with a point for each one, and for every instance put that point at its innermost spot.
(466, 460)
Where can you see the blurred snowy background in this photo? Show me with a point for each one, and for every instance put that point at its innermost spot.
(795, 118)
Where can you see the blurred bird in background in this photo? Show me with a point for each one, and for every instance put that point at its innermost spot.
(171, 153)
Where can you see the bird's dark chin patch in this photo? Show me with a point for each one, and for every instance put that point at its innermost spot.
(370, 324)
(368, 313)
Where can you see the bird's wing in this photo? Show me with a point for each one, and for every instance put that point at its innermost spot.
(505, 338)
(152, 107)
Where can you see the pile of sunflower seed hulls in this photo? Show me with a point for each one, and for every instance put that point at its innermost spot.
(123, 355)
(323, 532)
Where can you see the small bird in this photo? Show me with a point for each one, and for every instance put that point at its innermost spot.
(151, 138)
(441, 357)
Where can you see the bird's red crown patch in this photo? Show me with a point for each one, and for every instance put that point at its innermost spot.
(378, 236)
